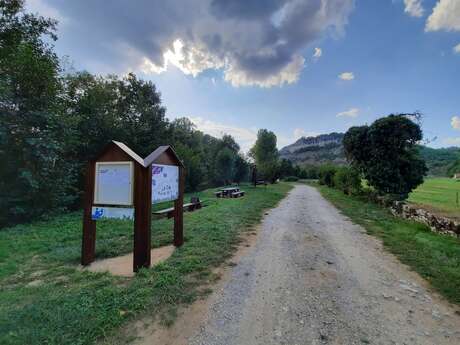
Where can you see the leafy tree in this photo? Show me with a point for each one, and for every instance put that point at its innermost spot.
(241, 169)
(265, 154)
(225, 161)
(386, 154)
(286, 168)
(34, 174)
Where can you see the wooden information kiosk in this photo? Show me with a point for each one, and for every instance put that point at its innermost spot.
(120, 184)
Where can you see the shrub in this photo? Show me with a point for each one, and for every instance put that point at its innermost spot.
(326, 175)
(348, 180)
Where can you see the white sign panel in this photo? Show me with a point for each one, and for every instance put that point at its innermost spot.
(111, 212)
(114, 183)
(165, 183)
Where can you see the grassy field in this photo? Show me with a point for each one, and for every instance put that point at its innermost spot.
(439, 195)
(435, 257)
(46, 299)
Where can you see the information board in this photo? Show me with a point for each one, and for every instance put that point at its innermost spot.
(113, 183)
(165, 183)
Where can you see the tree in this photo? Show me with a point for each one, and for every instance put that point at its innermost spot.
(386, 154)
(286, 168)
(34, 175)
(225, 161)
(241, 169)
(265, 154)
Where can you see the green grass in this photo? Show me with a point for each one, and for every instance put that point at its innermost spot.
(79, 307)
(435, 257)
(439, 195)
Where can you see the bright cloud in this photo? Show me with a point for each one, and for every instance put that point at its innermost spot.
(347, 76)
(352, 112)
(455, 122)
(414, 8)
(445, 16)
(318, 53)
(243, 136)
(257, 44)
(457, 49)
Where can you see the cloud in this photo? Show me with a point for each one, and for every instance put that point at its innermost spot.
(414, 8)
(347, 76)
(243, 136)
(452, 141)
(455, 122)
(41, 7)
(300, 132)
(445, 16)
(256, 43)
(318, 53)
(457, 48)
(352, 112)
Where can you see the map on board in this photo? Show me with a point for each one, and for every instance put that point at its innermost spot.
(165, 183)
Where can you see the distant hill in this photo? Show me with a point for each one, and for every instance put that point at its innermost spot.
(325, 148)
(441, 162)
(328, 148)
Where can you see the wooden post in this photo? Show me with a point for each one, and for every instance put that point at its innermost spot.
(142, 216)
(89, 226)
(178, 211)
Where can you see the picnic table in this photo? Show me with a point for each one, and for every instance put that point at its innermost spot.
(229, 192)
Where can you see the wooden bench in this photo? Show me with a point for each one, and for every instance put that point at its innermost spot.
(169, 212)
(261, 182)
(195, 204)
(238, 194)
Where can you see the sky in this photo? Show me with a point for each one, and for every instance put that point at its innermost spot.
(296, 67)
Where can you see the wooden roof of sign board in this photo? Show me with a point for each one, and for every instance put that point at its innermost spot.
(151, 158)
(125, 149)
(129, 152)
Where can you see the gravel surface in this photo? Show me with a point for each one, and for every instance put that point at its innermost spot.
(314, 277)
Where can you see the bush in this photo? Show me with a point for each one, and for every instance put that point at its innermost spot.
(291, 179)
(326, 175)
(348, 180)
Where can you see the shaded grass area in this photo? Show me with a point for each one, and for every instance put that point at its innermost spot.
(46, 299)
(435, 257)
(438, 195)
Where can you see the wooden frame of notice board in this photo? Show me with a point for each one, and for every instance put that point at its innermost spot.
(112, 191)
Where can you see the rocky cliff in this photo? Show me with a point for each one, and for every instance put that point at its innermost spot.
(324, 148)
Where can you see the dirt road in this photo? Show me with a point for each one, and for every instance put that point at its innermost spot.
(313, 277)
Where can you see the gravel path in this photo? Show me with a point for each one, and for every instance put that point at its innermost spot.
(314, 277)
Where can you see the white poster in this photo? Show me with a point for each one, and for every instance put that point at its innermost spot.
(113, 184)
(112, 213)
(165, 183)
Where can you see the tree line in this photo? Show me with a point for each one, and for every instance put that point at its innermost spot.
(53, 122)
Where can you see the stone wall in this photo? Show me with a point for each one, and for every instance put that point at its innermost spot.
(436, 223)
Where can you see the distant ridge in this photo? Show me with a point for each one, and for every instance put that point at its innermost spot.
(324, 148)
